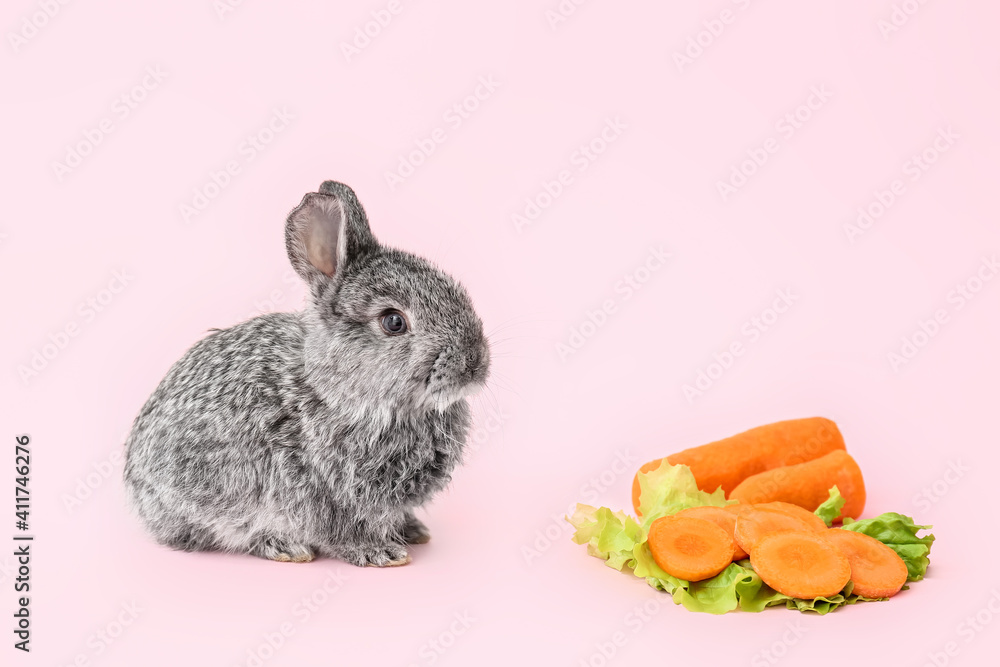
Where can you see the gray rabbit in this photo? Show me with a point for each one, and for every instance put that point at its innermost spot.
(294, 435)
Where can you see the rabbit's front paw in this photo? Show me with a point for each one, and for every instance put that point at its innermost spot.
(295, 554)
(388, 558)
(285, 552)
(415, 532)
(384, 556)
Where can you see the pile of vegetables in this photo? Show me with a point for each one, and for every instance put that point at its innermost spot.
(716, 554)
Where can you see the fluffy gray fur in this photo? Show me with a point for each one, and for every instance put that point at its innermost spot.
(293, 435)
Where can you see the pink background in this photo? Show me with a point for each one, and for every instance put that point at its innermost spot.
(568, 429)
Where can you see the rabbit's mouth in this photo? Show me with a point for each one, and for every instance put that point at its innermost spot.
(444, 398)
(456, 374)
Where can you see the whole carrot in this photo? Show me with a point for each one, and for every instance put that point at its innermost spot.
(729, 461)
(807, 484)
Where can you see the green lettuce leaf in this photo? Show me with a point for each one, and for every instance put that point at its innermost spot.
(644, 566)
(670, 489)
(899, 533)
(753, 593)
(714, 596)
(610, 536)
(830, 509)
(821, 605)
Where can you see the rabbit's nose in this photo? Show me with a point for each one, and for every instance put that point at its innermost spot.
(477, 361)
(472, 359)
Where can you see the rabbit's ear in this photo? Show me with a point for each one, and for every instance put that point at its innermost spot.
(326, 232)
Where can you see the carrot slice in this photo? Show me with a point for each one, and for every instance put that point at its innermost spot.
(797, 511)
(690, 548)
(876, 570)
(736, 510)
(753, 524)
(801, 564)
(720, 517)
(739, 508)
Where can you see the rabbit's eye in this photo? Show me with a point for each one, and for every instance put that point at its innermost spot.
(393, 323)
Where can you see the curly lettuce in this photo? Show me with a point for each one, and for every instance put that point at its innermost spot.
(830, 509)
(610, 536)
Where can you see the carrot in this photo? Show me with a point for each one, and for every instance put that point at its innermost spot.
(814, 521)
(801, 564)
(754, 524)
(690, 548)
(729, 461)
(810, 518)
(876, 570)
(739, 508)
(720, 517)
(808, 484)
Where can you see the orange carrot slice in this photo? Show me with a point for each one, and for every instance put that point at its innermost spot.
(690, 548)
(876, 570)
(798, 512)
(808, 484)
(753, 524)
(729, 461)
(739, 508)
(720, 517)
(801, 564)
